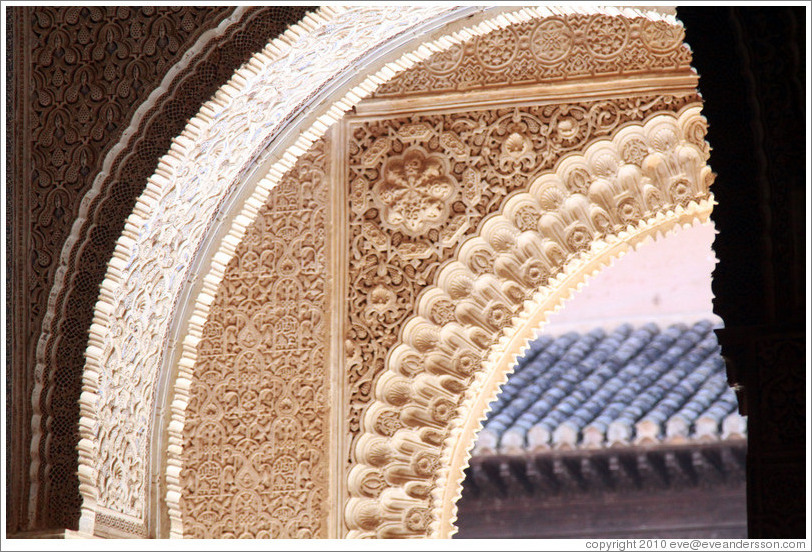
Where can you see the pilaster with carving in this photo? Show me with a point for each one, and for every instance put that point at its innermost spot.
(256, 439)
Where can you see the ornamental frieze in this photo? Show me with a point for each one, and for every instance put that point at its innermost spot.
(562, 47)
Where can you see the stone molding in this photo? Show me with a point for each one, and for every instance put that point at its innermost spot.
(164, 238)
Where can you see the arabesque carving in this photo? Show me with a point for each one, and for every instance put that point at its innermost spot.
(256, 435)
(401, 424)
(487, 155)
(413, 191)
(431, 388)
(149, 267)
(206, 49)
(562, 47)
(84, 72)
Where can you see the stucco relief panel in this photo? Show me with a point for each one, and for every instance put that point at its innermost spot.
(561, 47)
(420, 185)
(632, 180)
(256, 435)
(89, 70)
(419, 188)
(169, 221)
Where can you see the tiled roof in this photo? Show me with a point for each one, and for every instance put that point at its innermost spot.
(629, 386)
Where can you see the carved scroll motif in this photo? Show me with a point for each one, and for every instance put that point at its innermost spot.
(644, 171)
(256, 434)
(565, 47)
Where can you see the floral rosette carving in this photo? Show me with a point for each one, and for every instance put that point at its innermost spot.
(389, 268)
(497, 49)
(661, 36)
(414, 191)
(551, 41)
(567, 46)
(606, 36)
(514, 143)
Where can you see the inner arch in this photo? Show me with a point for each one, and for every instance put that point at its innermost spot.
(504, 355)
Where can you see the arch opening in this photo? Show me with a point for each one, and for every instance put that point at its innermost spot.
(621, 400)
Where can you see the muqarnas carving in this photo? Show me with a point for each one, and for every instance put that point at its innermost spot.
(637, 176)
(470, 160)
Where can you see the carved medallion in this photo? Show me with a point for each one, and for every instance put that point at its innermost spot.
(553, 48)
(551, 41)
(413, 191)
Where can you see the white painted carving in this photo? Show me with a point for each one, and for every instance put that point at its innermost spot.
(152, 258)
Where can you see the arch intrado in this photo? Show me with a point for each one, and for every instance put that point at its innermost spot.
(596, 179)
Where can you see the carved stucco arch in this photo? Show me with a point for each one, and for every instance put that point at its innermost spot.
(191, 218)
(302, 67)
(471, 326)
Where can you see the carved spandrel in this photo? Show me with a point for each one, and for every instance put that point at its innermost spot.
(419, 398)
(484, 155)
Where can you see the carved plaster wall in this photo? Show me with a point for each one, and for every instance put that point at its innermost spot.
(142, 73)
(454, 230)
(421, 184)
(256, 446)
(419, 187)
(446, 360)
(83, 72)
(176, 212)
